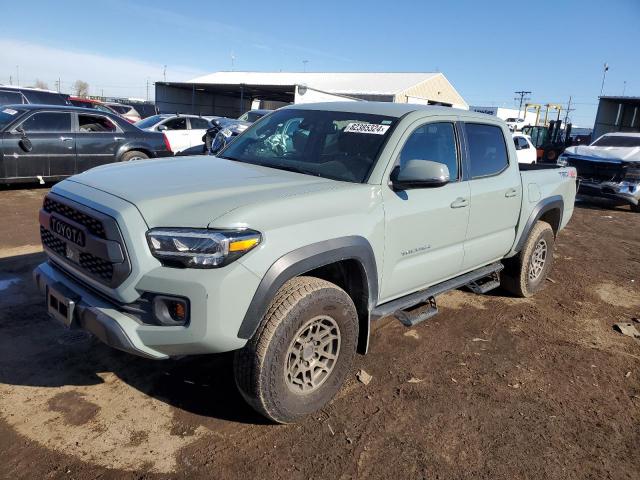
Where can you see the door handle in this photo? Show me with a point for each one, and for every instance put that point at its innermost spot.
(512, 192)
(460, 203)
(118, 138)
(66, 139)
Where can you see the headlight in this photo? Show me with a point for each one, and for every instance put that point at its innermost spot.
(200, 248)
(563, 160)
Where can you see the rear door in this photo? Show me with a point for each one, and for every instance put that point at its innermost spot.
(197, 128)
(177, 132)
(496, 194)
(52, 145)
(98, 139)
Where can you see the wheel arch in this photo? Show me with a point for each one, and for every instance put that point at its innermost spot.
(548, 210)
(348, 262)
(137, 147)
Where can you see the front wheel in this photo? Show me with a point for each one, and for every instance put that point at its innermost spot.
(299, 358)
(635, 208)
(525, 274)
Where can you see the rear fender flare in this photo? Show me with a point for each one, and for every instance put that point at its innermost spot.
(546, 205)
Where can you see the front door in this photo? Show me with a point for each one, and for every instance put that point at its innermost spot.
(496, 195)
(425, 228)
(52, 141)
(97, 141)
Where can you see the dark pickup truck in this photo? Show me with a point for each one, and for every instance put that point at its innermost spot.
(46, 142)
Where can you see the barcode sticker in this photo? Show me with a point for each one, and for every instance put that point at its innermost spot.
(372, 128)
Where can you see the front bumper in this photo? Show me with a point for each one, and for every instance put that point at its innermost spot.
(621, 192)
(218, 301)
(94, 314)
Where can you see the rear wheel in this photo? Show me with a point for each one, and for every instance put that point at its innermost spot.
(134, 155)
(300, 357)
(525, 274)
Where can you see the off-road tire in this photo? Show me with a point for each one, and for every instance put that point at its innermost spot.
(260, 368)
(515, 277)
(133, 155)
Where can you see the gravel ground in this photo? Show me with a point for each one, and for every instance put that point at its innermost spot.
(492, 388)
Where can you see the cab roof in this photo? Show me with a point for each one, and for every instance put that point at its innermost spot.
(388, 109)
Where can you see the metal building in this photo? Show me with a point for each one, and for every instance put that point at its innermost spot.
(230, 94)
(617, 114)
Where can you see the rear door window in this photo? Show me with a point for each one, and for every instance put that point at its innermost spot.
(8, 97)
(96, 123)
(487, 150)
(57, 122)
(199, 124)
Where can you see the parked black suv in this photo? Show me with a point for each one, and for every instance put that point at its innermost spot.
(13, 95)
(46, 142)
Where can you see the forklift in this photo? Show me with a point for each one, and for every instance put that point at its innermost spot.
(550, 139)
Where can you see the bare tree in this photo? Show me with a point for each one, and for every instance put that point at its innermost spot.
(40, 84)
(81, 88)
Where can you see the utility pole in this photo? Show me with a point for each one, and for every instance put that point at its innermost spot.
(147, 89)
(304, 65)
(624, 87)
(10, 80)
(569, 109)
(233, 61)
(604, 75)
(58, 87)
(164, 73)
(522, 94)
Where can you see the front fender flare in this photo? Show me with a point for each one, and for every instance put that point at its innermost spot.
(304, 259)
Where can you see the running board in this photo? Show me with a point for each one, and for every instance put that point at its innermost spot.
(417, 314)
(485, 284)
(424, 296)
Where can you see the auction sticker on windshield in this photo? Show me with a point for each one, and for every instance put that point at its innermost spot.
(372, 128)
(10, 111)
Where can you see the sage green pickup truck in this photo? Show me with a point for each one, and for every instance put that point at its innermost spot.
(285, 247)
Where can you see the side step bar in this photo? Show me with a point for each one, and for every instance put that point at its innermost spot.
(401, 307)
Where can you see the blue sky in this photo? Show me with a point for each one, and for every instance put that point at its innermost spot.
(487, 49)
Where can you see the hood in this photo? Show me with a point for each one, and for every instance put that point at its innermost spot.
(613, 154)
(194, 191)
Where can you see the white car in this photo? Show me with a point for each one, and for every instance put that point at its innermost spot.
(516, 124)
(524, 148)
(182, 131)
(127, 111)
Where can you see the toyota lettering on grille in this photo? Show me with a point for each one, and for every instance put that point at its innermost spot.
(67, 231)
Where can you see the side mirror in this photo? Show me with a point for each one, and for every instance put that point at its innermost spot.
(162, 128)
(25, 143)
(420, 174)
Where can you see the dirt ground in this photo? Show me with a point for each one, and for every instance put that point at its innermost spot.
(492, 388)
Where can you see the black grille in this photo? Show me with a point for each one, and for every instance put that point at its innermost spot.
(94, 225)
(52, 243)
(597, 171)
(96, 266)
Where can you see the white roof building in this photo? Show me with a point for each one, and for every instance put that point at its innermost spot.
(213, 93)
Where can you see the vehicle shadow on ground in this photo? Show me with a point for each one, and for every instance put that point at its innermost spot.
(37, 351)
(602, 204)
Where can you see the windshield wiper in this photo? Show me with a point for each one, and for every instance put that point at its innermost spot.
(290, 168)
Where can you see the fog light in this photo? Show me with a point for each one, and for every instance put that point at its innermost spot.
(171, 311)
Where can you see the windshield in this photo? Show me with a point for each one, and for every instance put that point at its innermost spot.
(8, 115)
(251, 116)
(148, 122)
(338, 145)
(617, 141)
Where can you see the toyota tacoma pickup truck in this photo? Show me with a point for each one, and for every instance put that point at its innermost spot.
(314, 222)
(608, 168)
